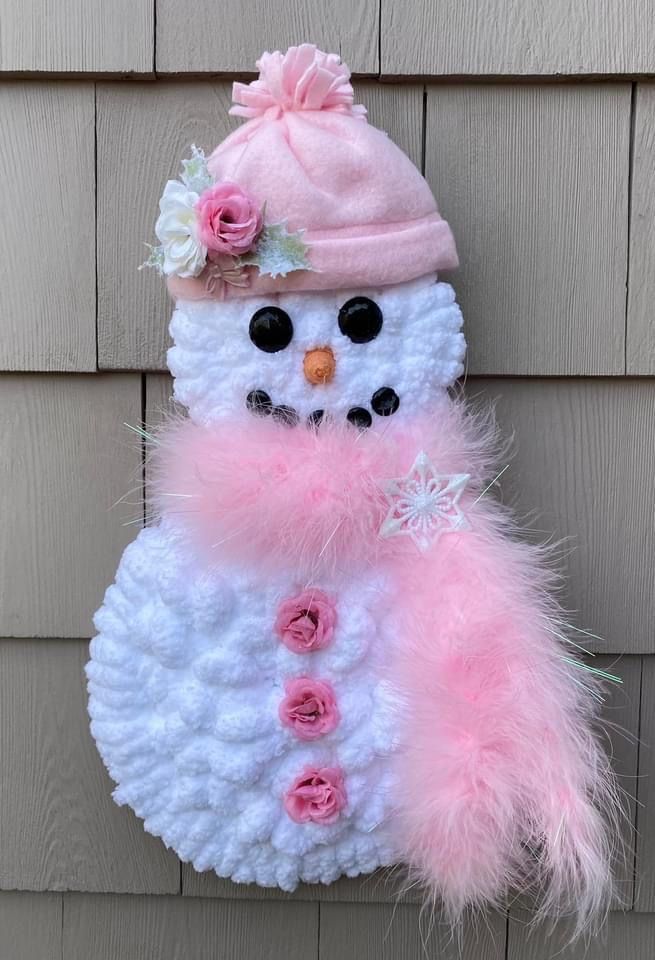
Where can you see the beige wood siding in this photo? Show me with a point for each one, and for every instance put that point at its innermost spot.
(212, 37)
(534, 180)
(31, 925)
(67, 461)
(60, 829)
(77, 36)
(517, 37)
(47, 197)
(534, 123)
(169, 928)
(640, 330)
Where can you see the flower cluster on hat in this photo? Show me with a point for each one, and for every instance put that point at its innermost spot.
(220, 226)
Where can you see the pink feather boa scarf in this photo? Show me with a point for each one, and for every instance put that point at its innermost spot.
(502, 782)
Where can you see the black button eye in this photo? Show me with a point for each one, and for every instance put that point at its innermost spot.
(271, 329)
(385, 401)
(360, 319)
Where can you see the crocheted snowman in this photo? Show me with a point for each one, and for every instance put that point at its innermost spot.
(330, 654)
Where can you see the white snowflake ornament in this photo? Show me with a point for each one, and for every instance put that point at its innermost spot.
(424, 504)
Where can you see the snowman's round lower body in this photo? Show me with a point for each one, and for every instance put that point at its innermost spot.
(186, 678)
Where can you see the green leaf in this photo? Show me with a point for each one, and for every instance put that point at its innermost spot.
(195, 175)
(155, 260)
(278, 252)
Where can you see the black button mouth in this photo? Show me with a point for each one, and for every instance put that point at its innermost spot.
(315, 418)
(359, 417)
(284, 414)
(260, 404)
(385, 401)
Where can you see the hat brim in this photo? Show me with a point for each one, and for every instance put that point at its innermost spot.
(344, 260)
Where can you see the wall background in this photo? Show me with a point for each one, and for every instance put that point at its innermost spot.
(535, 125)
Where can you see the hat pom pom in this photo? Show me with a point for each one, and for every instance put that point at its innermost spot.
(303, 78)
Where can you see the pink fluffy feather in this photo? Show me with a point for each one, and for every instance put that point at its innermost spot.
(261, 493)
(501, 782)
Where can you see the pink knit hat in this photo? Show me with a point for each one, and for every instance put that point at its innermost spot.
(307, 158)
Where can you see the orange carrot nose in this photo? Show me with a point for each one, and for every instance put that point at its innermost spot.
(319, 365)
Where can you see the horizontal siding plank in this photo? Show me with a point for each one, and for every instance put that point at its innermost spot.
(176, 928)
(228, 37)
(626, 935)
(582, 474)
(142, 126)
(382, 886)
(77, 36)
(534, 182)
(30, 926)
(640, 346)
(144, 132)
(59, 828)
(517, 37)
(390, 932)
(47, 197)
(66, 459)
(645, 859)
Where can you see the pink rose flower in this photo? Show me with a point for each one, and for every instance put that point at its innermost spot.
(229, 220)
(318, 794)
(306, 622)
(309, 708)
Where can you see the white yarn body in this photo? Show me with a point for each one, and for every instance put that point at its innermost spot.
(185, 680)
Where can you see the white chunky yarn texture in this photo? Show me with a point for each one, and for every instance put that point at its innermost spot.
(186, 673)
(185, 680)
(419, 349)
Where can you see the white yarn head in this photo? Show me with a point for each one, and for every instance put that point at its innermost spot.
(417, 353)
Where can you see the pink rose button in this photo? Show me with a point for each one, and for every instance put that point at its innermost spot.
(306, 622)
(309, 708)
(318, 795)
